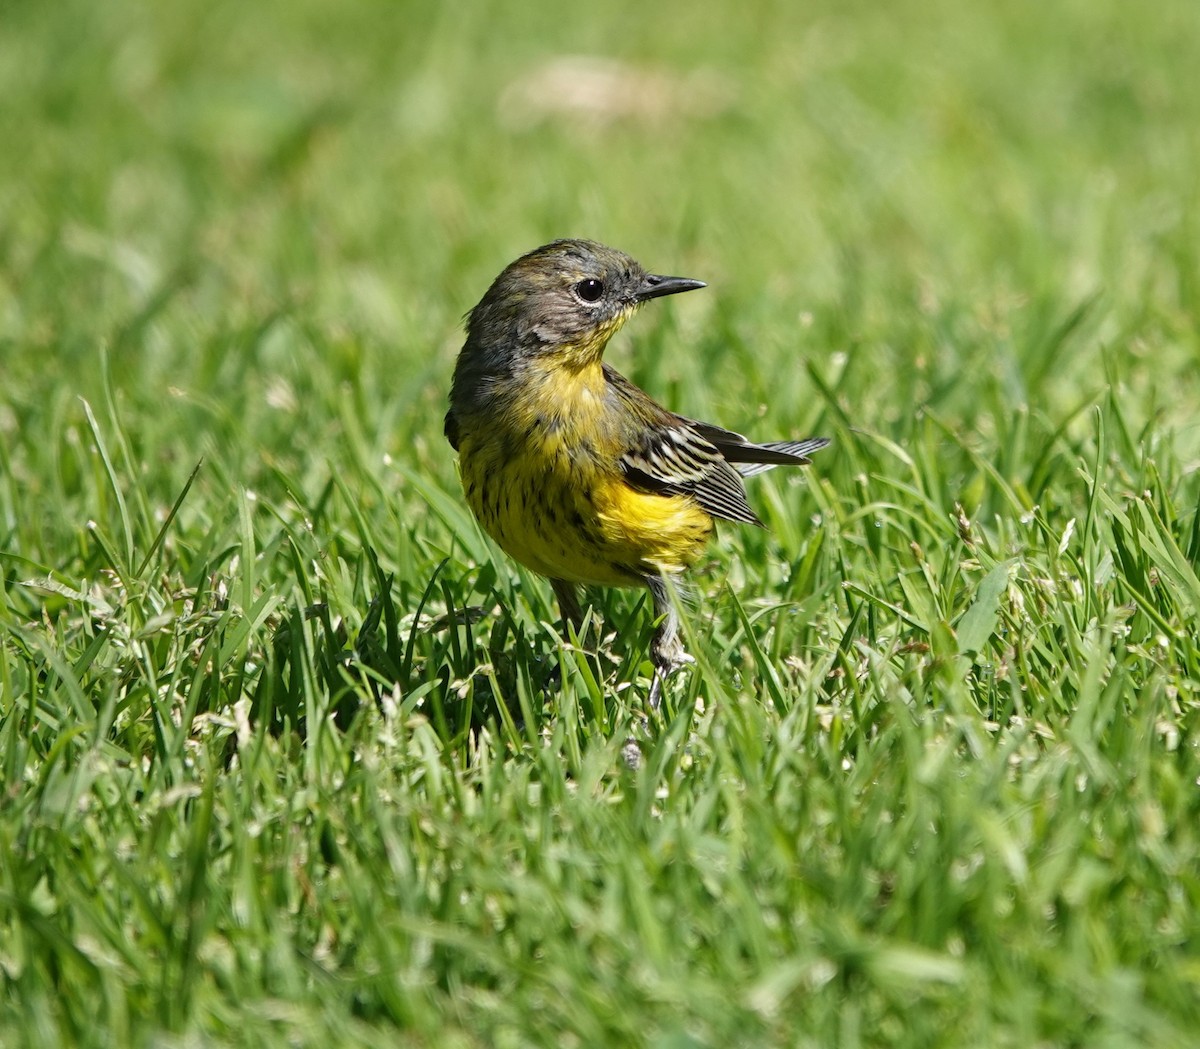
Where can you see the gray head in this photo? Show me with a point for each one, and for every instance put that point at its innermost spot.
(566, 298)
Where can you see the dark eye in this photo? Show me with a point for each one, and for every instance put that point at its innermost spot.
(590, 290)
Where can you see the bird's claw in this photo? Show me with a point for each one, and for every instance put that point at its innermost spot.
(663, 668)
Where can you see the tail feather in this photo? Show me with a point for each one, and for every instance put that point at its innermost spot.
(751, 459)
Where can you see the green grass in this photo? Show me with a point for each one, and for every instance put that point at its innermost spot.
(290, 755)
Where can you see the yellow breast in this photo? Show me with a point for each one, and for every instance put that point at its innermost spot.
(667, 532)
(545, 483)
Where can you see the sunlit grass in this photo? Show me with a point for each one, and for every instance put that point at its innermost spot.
(291, 755)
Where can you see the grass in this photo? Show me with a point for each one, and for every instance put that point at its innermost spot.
(290, 755)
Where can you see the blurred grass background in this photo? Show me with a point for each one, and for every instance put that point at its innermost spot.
(934, 781)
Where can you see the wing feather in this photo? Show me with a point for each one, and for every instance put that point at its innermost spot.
(678, 461)
(673, 455)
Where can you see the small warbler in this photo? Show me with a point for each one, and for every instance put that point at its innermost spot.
(572, 469)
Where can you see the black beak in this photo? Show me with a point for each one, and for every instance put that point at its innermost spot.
(653, 286)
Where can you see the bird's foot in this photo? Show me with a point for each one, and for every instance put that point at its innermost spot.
(666, 649)
(668, 655)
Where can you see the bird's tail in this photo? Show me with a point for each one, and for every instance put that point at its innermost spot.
(756, 458)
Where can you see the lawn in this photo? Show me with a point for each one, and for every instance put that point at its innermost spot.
(291, 755)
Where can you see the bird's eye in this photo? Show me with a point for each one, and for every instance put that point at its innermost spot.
(590, 290)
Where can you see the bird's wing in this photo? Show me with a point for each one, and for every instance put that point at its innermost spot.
(664, 453)
(674, 459)
(671, 455)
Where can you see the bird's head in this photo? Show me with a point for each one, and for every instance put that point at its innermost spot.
(562, 302)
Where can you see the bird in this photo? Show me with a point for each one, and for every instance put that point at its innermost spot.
(573, 470)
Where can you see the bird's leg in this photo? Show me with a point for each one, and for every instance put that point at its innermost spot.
(568, 603)
(666, 648)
